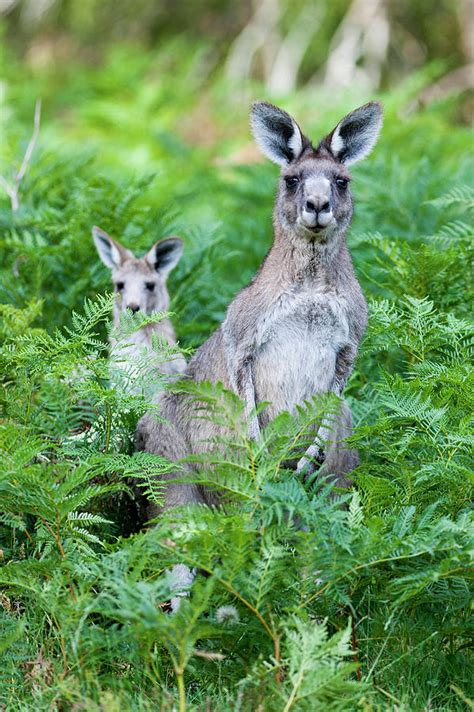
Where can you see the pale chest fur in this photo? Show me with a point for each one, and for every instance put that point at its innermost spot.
(297, 342)
(133, 360)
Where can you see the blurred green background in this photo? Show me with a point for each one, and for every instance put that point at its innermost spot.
(285, 44)
(191, 68)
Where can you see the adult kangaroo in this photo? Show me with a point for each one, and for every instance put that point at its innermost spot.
(293, 332)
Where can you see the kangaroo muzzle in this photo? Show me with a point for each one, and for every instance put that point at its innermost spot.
(316, 212)
(314, 218)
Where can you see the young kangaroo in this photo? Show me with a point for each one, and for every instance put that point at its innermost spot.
(140, 285)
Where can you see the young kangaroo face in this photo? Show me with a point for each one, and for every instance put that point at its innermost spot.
(314, 200)
(139, 283)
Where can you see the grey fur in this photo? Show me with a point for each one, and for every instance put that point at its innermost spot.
(356, 135)
(294, 330)
(135, 274)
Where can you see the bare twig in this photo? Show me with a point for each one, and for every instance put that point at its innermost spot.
(208, 655)
(12, 190)
(31, 145)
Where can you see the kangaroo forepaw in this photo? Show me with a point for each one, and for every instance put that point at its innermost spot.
(310, 461)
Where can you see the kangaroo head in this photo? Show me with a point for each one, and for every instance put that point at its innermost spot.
(314, 201)
(140, 283)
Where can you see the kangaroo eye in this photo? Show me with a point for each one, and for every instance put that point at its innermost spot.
(342, 182)
(119, 286)
(292, 181)
(150, 286)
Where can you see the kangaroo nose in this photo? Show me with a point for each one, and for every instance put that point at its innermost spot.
(313, 207)
(134, 308)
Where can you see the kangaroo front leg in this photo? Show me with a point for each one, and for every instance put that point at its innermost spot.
(239, 348)
(336, 457)
(337, 460)
(315, 452)
(241, 382)
(246, 388)
(340, 460)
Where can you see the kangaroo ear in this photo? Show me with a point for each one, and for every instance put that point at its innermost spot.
(165, 255)
(276, 133)
(111, 252)
(355, 136)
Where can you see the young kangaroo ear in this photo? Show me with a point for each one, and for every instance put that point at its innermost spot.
(111, 252)
(276, 133)
(165, 255)
(355, 136)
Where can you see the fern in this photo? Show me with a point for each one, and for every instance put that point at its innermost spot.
(462, 196)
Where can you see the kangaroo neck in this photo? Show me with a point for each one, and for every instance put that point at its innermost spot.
(294, 259)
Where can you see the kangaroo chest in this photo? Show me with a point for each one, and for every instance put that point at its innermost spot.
(133, 360)
(297, 344)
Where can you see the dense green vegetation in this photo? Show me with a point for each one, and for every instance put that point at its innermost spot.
(367, 605)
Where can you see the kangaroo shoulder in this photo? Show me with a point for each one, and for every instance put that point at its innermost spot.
(208, 363)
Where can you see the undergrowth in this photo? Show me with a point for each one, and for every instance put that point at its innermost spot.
(302, 603)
